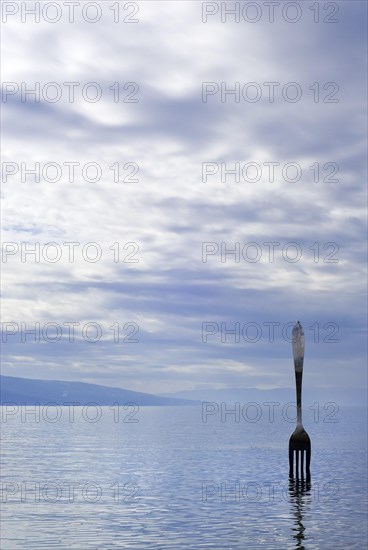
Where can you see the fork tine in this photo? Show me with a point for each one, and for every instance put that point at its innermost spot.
(297, 463)
(302, 462)
(308, 459)
(291, 462)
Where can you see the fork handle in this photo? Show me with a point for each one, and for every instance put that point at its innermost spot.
(298, 344)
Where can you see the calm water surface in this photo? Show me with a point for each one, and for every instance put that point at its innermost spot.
(172, 481)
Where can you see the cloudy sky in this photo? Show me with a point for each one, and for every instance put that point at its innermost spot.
(163, 120)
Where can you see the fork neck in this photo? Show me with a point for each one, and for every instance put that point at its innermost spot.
(298, 380)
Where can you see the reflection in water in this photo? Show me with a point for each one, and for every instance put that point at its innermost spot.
(300, 496)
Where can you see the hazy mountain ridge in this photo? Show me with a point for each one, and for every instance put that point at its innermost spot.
(32, 391)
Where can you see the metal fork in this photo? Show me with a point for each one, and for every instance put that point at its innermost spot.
(299, 440)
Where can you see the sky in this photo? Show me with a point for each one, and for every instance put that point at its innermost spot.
(173, 133)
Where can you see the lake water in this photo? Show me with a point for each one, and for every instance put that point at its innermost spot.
(172, 480)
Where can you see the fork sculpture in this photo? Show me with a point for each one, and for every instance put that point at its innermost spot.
(299, 442)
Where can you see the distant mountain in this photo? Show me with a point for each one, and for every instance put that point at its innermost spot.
(30, 392)
(341, 396)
